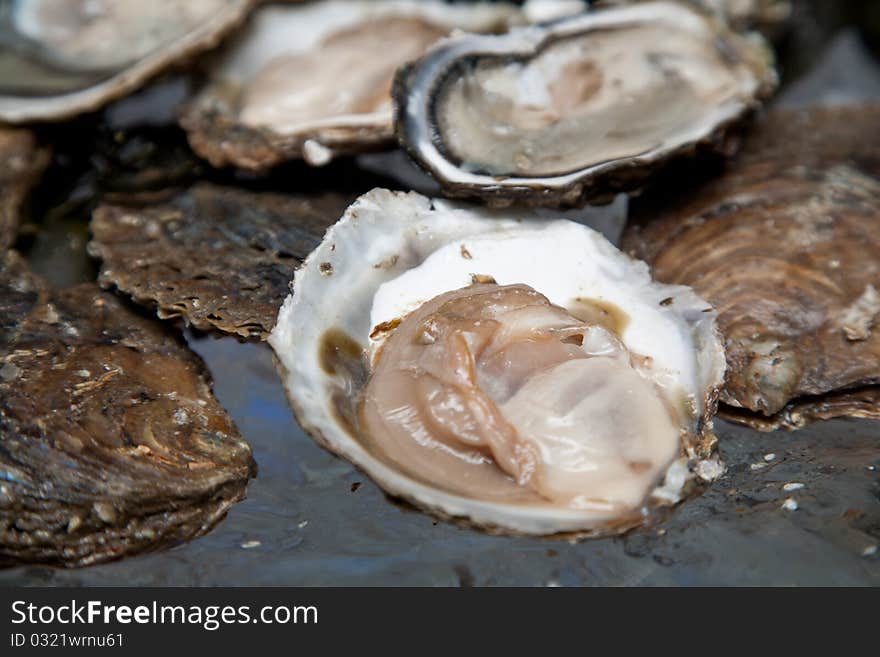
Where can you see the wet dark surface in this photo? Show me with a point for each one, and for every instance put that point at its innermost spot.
(316, 527)
(311, 519)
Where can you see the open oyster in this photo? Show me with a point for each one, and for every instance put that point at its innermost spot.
(785, 245)
(59, 58)
(111, 441)
(314, 80)
(581, 108)
(520, 375)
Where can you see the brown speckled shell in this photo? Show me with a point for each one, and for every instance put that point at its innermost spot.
(220, 258)
(111, 441)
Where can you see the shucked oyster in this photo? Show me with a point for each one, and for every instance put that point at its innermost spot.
(314, 80)
(785, 245)
(59, 58)
(578, 109)
(111, 442)
(521, 375)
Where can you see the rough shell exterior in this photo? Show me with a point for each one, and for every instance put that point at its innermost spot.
(111, 442)
(218, 257)
(784, 244)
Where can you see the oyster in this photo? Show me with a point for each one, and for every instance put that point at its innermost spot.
(221, 258)
(112, 443)
(60, 58)
(581, 108)
(312, 81)
(22, 162)
(784, 244)
(521, 375)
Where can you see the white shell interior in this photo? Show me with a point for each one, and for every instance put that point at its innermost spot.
(124, 42)
(108, 34)
(380, 243)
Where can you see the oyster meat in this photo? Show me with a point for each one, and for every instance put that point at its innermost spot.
(22, 162)
(112, 442)
(59, 58)
(521, 375)
(784, 244)
(314, 80)
(581, 108)
(219, 257)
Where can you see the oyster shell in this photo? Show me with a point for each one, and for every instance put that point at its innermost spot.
(398, 261)
(22, 162)
(112, 443)
(579, 109)
(784, 244)
(219, 257)
(766, 16)
(313, 81)
(60, 58)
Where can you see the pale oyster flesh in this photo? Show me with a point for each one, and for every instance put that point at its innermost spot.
(546, 112)
(522, 375)
(354, 83)
(585, 97)
(495, 389)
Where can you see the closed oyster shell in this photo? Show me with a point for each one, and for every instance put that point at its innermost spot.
(111, 442)
(65, 57)
(579, 109)
(784, 244)
(220, 258)
(312, 81)
(326, 325)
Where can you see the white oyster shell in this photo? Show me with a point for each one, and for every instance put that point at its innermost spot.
(384, 235)
(73, 56)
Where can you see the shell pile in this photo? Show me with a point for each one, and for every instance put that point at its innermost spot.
(486, 352)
